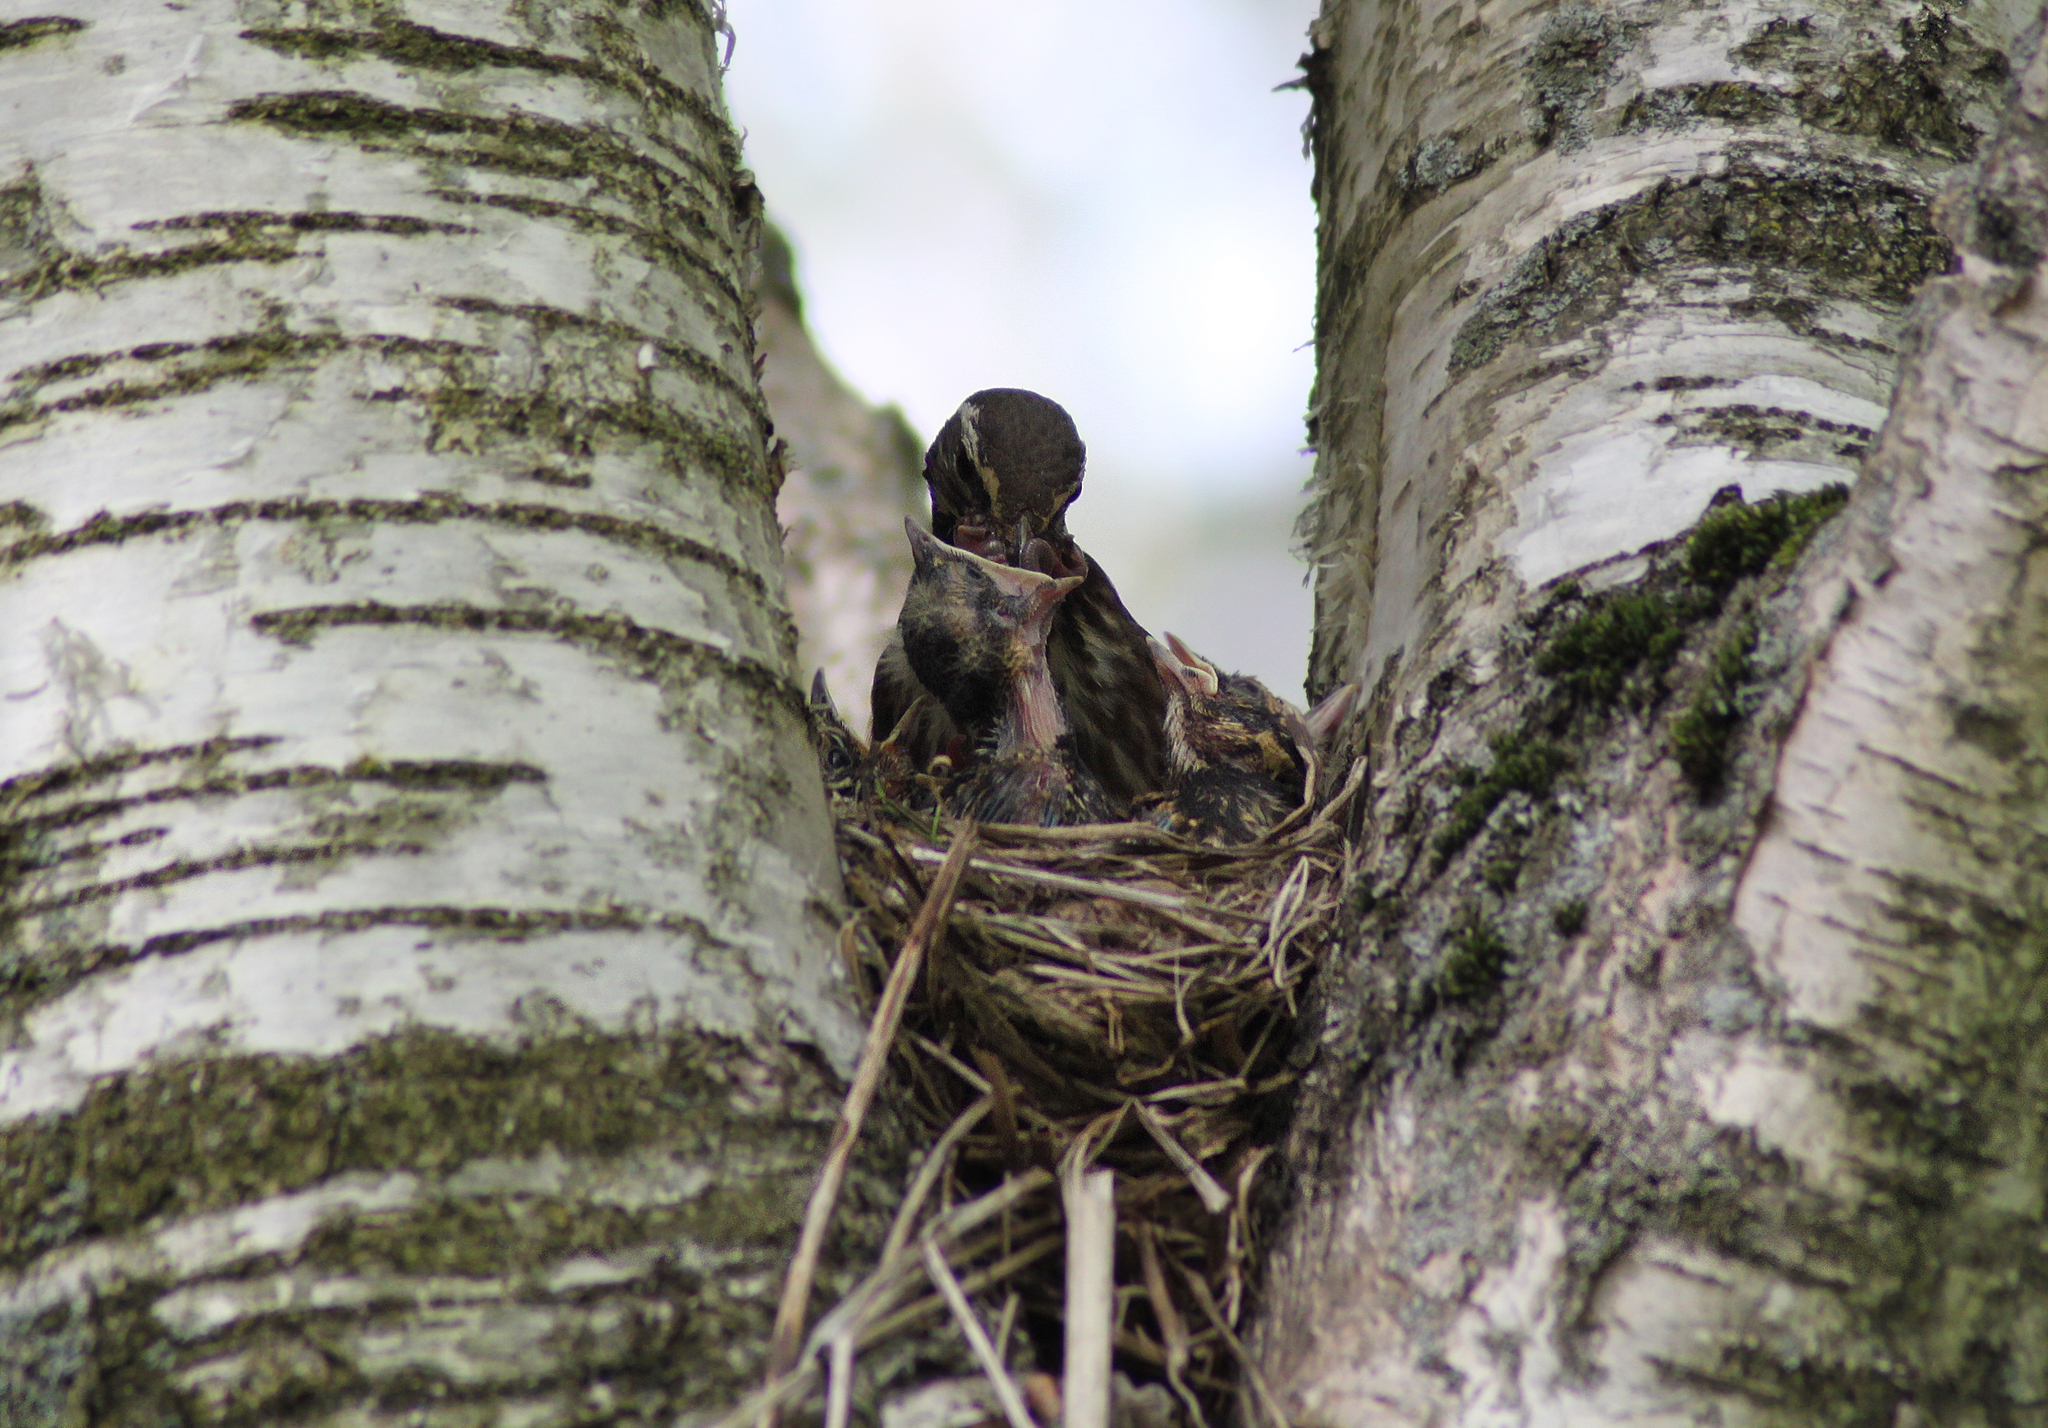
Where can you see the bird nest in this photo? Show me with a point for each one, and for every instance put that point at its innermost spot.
(1051, 1003)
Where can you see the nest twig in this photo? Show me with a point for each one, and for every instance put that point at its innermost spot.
(1104, 996)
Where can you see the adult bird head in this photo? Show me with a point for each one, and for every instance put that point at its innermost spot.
(1002, 472)
(975, 634)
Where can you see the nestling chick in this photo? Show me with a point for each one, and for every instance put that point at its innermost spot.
(978, 631)
(840, 751)
(883, 774)
(1002, 472)
(1236, 752)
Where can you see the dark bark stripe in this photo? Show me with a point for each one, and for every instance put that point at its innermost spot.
(259, 220)
(519, 144)
(186, 869)
(236, 354)
(1772, 431)
(163, 1143)
(424, 775)
(45, 783)
(653, 654)
(650, 239)
(17, 34)
(644, 536)
(29, 981)
(571, 425)
(546, 320)
(16, 863)
(250, 237)
(1835, 229)
(422, 47)
(462, 386)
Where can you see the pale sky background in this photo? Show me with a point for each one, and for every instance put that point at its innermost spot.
(1105, 202)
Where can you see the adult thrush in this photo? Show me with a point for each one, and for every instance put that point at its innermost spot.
(1002, 472)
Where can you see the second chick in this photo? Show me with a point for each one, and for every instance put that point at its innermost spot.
(1235, 752)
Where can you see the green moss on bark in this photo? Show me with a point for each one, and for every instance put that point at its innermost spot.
(182, 1140)
(1521, 763)
(1735, 540)
(1619, 648)
(1475, 960)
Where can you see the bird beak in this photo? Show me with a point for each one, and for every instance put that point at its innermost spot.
(926, 549)
(1030, 596)
(1196, 674)
(1329, 716)
(1169, 667)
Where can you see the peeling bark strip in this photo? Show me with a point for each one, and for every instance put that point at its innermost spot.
(1690, 1062)
(417, 903)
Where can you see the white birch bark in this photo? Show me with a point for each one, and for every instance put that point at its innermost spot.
(1585, 265)
(418, 985)
(1640, 1105)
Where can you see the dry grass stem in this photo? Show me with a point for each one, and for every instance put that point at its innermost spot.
(1215, 1199)
(1090, 1197)
(867, 1076)
(1007, 1396)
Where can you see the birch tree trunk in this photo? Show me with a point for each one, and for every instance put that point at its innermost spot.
(1688, 1061)
(418, 986)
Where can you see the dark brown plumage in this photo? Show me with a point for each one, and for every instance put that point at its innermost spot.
(1236, 752)
(1002, 472)
(978, 631)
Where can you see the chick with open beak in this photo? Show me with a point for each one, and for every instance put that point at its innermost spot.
(1236, 752)
(1002, 472)
(978, 632)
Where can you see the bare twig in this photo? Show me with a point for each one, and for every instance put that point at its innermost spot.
(1143, 897)
(1172, 1328)
(1091, 1290)
(1244, 1359)
(866, 1313)
(1096, 973)
(928, 1174)
(839, 1382)
(874, 1055)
